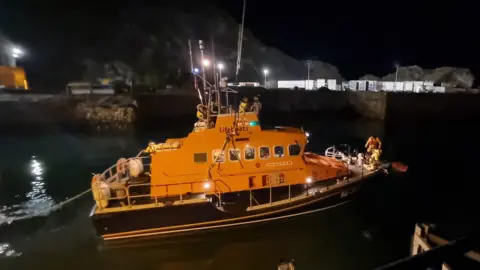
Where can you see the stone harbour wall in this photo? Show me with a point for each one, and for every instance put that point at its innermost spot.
(122, 113)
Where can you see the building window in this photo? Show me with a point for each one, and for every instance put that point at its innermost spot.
(200, 157)
(294, 149)
(219, 156)
(264, 152)
(234, 154)
(249, 153)
(279, 151)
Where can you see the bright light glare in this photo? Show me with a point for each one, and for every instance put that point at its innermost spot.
(307, 134)
(16, 51)
(206, 63)
(220, 66)
(308, 180)
(195, 70)
(206, 185)
(265, 71)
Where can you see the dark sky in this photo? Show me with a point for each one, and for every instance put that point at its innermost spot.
(368, 36)
(358, 37)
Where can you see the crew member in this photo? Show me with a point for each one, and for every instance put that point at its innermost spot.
(373, 143)
(375, 158)
(256, 105)
(200, 112)
(150, 148)
(243, 105)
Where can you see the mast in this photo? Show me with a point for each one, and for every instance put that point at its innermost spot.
(216, 82)
(240, 42)
(195, 83)
(200, 44)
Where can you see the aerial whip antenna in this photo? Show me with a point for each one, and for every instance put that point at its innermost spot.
(192, 70)
(240, 41)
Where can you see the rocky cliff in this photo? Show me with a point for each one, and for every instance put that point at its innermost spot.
(153, 44)
(450, 77)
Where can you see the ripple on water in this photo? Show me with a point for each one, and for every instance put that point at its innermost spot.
(6, 250)
(37, 198)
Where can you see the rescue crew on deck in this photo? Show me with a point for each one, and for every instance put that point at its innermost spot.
(374, 151)
(256, 105)
(243, 105)
(373, 143)
(201, 112)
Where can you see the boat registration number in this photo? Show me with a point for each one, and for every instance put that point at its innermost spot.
(283, 163)
(347, 193)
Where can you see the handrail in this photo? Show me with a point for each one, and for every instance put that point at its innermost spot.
(128, 195)
(111, 171)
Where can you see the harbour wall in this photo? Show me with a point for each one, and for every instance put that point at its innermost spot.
(60, 111)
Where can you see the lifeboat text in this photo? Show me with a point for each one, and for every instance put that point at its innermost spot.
(233, 129)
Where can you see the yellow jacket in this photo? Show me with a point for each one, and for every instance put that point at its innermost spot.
(243, 107)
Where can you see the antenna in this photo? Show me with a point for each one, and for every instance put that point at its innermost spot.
(240, 42)
(192, 70)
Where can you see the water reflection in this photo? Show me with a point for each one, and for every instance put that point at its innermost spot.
(35, 200)
(6, 250)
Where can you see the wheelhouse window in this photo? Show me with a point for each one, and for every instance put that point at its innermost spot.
(264, 152)
(279, 151)
(249, 153)
(200, 157)
(294, 149)
(234, 154)
(219, 156)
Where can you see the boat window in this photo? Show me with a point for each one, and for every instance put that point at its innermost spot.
(294, 149)
(264, 152)
(279, 151)
(218, 155)
(249, 153)
(234, 154)
(200, 157)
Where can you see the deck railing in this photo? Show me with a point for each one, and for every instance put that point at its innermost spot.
(111, 174)
(127, 196)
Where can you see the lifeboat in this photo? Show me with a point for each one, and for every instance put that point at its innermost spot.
(231, 173)
(228, 172)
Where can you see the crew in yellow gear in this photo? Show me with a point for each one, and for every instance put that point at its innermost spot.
(200, 112)
(150, 148)
(373, 143)
(243, 105)
(375, 158)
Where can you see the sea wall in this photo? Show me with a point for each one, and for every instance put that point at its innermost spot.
(455, 106)
(124, 112)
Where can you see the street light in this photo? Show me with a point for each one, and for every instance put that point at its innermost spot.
(396, 72)
(265, 72)
(220, 68)
(206, 63)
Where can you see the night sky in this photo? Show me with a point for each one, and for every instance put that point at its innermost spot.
(358, 37)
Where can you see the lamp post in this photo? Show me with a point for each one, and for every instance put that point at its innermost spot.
(15, 53)
(265, 73)
(396, 72)
(220, 66)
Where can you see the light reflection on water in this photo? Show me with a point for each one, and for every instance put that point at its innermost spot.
(36, 199)
(6, 250)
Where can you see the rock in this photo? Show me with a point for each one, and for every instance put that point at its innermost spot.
(160, 53)
(369, 77)
(449, 77)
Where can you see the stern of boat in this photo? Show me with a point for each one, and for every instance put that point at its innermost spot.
(322, 167)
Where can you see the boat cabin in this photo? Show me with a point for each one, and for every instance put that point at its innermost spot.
(234, 155)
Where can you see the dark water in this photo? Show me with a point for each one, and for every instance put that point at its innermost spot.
(40, 170)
